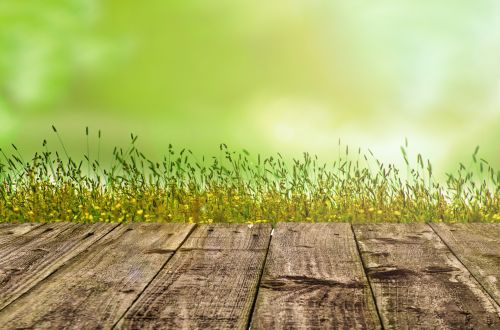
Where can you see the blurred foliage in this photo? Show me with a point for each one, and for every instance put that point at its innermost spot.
(45, 46)
(286, 76)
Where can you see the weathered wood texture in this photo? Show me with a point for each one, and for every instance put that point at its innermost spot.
(34, 255)
(314, 279)
(103, 275)
(478, 248)
(210, 282)
(17, 228)
(9, 231)
(419, 283)
(97, 287)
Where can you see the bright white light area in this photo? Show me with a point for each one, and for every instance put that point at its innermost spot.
(292, 125)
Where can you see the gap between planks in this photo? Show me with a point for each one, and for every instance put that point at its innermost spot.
(155, 276)
(34, 255)
(98, 285)
(313, 278)
(205, 287)
(418, 282)
(477, 268)
(194, 248)
(263, 266)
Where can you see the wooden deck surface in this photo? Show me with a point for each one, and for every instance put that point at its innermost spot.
(295, 276)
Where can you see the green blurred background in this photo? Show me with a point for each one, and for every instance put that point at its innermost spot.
(268, 76)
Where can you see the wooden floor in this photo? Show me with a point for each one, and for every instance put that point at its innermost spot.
(297, 276)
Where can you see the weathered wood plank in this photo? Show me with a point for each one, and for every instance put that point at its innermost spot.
(478, 248)
(419, 283)
(31, 257)
(96, 288)
(314, 279)
(210, 282)
(9, 231)
(19, 228)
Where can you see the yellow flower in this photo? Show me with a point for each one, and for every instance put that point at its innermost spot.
(140, 212)
(397, 213)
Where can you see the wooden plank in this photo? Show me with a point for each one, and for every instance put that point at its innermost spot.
(313, 279)
(17, 228)
(31, 257)
(9, 231)
(96, 288)
(419, 283)
(210, 282)
(477, 246)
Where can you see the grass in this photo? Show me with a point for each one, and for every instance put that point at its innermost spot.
(236, 187)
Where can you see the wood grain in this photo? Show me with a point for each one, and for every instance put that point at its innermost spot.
(96, 288)
(210, 282)
(31, 257)
(419, 283)
(9, 231)
(478, 248)
(314, 279)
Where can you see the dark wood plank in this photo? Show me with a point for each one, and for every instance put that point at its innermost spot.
(210, 282)
(314, 279)
(419, 283)
(31, 257)
(9, 231)
(477, 246)
(96, 288)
